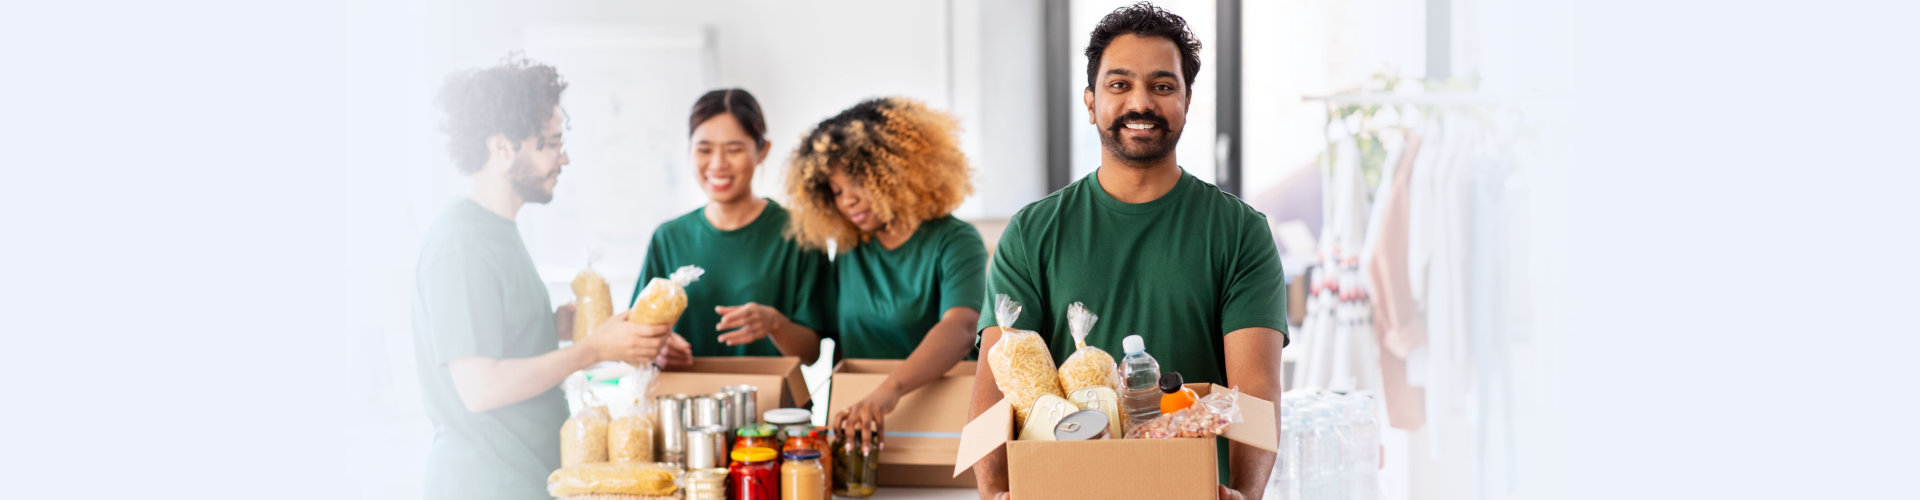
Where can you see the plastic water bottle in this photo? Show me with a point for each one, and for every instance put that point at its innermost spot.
(1364, 443)
(1142, 374)
(1309, 453)
(1286, 467)
(1328, 448)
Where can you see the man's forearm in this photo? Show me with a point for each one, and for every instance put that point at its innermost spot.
(1253, 366)
(486, 384)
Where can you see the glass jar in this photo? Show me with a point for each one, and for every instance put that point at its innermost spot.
(823, 442)
(755, 436)
(856, 469)
(707, 484)
(801, 477)
(753, 475)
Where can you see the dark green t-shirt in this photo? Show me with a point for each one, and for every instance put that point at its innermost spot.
(1181, 272)
(477, 294)
(889, 299)
(756, 263)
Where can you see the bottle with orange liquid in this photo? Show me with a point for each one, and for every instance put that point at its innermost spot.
(1174, 394)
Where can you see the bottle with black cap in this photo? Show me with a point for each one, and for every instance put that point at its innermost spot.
(1174, 394)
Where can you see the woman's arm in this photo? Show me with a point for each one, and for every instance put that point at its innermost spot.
(754, 321)
(944, 346)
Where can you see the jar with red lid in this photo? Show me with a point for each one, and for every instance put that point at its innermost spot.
(754, 475)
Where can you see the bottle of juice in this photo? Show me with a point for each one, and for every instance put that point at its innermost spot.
(1174, 394)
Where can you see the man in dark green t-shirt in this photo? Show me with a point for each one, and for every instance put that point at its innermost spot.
(486, 345)
(1152, 250)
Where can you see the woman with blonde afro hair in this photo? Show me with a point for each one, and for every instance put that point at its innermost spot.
(881, 180)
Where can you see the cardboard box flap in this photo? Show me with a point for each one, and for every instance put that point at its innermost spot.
(986, 433)
(787, 366)
(1256, 427)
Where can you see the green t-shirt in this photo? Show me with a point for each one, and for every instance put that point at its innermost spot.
(889, 299)
(755, 263)
(1181, 271)
(478, 294)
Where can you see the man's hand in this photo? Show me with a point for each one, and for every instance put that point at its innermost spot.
(618, 340)
(867, 418)
(563, 321)
(753, 322)
(1230, 493)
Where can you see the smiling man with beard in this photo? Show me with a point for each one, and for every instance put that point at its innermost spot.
(486, 343)
(1151, 249)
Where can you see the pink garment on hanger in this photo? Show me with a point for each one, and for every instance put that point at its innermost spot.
(1398, 324)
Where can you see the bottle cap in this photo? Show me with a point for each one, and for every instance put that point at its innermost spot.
(801, 454)
(1170, 382)
(788, 416)
(1133, 344)
(755, 454)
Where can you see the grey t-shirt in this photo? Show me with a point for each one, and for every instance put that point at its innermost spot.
(478, 294)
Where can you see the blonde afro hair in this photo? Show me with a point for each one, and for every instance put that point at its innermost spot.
(905, 155)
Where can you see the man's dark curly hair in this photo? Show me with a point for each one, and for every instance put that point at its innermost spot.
(1146, 20)
(513, 98)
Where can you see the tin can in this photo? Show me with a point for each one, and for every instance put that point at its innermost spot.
(744, 397)
(1105, 400)
(1083, 425)
(671, 410)
(706, 411)
(703, 446)
(727, 419)
(1046, 413)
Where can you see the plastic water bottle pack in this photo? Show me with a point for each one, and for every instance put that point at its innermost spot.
(1329, 448)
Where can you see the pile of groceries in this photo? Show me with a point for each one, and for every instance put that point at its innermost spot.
(1092, 396)
(622, 444)
(1330, 449)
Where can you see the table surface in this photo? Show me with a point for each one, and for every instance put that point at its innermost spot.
(902, 493)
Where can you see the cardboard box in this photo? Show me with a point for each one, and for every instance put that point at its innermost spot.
(923, 432)
(779, 379)
(1175, 469)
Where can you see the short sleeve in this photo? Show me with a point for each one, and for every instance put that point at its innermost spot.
(816, 289)
(462, 297)
(1256, 292)
(1014, 272)
(963, 269)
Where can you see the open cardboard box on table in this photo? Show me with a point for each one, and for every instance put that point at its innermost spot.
(779, 379)
(1173, 469)
(923, 432)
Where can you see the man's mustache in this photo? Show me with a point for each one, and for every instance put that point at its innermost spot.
(1137, 116)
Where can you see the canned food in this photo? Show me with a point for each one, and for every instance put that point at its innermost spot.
(1046, 413)
(702, 446)
(671, 409)
(743, 397)
(706, 411)
(1105, 400)
(1083, 425)
(726, 409)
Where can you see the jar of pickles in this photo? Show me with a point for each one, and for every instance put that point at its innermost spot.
(753, 476)
(801, 477)
(856, 469)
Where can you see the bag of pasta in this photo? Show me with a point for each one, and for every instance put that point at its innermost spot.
(1088, 366)
(1022, 366)
(662, 301)
(1207, 418)
(592, 303)
(630, 434)
(583, 437)
(613, 478)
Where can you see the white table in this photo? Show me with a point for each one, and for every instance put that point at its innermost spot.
(904, 493)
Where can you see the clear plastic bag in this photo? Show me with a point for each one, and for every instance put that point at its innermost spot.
(620, 478)
(662, 301)
(1088, 366)
(1207, 418)
(592, 303)
(1022, 365)
(583, 438)
(630, 434)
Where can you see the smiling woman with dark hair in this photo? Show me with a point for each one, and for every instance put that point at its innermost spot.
(882, 179)
(762, 294)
